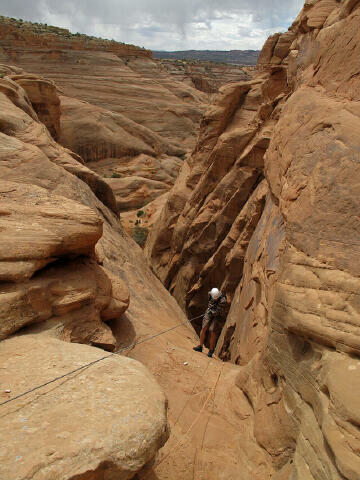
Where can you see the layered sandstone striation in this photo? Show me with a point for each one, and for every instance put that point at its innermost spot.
(219, 196)
(111, 101)
(54, 284)
(69, 273)
(205, 76)
(49, 237)
(118, 78)
(267, 208)
(17, 32)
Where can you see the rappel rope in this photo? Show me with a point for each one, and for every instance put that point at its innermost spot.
(124, 349)
(183, 437)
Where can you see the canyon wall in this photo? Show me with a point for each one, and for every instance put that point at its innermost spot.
(267, 209)
(206, 76)
(118, 78)
(131, 118)
(19, 33)
(111, 104)
(73, 284)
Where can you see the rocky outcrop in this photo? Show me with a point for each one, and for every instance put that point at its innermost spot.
(44, 99)
(285, 249)
(115, 103)
(220, 198)
(104, 421)
(72, 268)
(49, 237)
(19, 33)
(118, 78)
(266, 207)
(205, 76)
(140, 180)
(97, 134)
(53, 287)
(19, 121)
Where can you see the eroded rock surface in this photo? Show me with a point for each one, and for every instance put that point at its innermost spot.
(121, 79)
(219, 194)
(205, 76)
(44, 99)
(286, 250)
(62, 289)
(116, 102)
(105, 421)
(266, 207)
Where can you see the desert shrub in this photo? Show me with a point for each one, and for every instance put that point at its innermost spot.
(140, 213)
(115, 175)
(140, 235)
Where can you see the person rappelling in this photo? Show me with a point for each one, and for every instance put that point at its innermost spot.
(212, 320)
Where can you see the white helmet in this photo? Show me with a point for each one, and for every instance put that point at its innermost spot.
(215, 293)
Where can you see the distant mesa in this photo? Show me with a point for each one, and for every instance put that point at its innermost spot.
(19, 33)
(238, 57)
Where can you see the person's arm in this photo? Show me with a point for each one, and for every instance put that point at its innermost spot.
(222, 305)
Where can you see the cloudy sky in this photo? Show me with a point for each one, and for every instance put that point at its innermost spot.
(165, 24)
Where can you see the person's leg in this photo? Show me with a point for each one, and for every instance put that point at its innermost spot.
(203, 332)
(213, 338)
(213, 330)
(203, 335)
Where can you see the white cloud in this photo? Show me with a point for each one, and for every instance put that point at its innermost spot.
(165, 24)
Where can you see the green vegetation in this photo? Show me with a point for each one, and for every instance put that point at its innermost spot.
(140, 235)
(65, 34)
(115, 175)
(140, 213)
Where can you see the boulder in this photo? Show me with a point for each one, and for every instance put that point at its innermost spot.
(38, 227)
(104, 421)
(72, 298)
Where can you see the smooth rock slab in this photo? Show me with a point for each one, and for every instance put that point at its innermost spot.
(104, 422)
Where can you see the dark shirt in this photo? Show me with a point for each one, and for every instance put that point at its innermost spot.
(217, 307)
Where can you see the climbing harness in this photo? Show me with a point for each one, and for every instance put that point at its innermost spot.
(124, 349)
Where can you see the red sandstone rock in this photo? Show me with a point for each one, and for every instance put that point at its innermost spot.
(44, 100)
(295, 312)
(293, 326)
(69, 422)
(69, 299)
